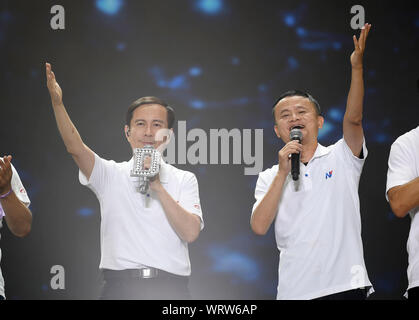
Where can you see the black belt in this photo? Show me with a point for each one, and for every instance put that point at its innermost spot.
(143, 273)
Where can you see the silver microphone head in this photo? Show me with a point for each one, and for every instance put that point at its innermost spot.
(296, 134)
(138, 170)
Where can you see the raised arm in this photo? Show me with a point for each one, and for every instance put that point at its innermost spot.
(352, 122)
(82, 155)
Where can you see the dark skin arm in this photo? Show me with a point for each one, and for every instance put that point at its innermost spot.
(18, 217)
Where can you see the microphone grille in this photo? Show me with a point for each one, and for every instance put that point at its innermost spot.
(296, 134)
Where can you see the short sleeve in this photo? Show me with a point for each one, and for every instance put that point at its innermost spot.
(261, 189)
(18, 189)
(189, 196)
(349, 158)
(100, 175)
(400, 166)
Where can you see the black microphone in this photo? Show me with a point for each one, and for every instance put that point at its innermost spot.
(295, 134)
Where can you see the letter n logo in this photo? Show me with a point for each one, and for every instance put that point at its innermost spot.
(329, 174)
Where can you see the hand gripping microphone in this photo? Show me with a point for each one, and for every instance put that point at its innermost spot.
(295, 134)
(138, 170)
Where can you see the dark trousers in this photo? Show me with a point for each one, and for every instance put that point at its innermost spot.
(356, 294)
(413, 294)
(121, 285)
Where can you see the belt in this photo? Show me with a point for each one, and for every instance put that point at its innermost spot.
(143, 273)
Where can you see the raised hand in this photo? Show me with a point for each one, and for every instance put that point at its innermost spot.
(54, 88)
(357, 55)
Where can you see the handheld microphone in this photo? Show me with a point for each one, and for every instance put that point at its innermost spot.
(295, 134)
(138, 170)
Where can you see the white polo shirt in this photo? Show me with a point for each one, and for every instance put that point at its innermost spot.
(318, 225)
(135, 231)
(21, 194)
(403, 167)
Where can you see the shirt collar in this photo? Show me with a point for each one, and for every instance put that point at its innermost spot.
(320, 152)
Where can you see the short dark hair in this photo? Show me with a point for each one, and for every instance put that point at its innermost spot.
(299, 93)
(151, 100)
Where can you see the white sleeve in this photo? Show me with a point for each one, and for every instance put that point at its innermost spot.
(189, 196)
(261, 189)
(100, 176)
(19, 189)
(400, 166)
(350, 158)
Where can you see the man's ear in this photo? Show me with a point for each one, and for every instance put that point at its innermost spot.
(127, 132)
(320, 122)
(276, 129)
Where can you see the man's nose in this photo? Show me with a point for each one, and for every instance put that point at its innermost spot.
(148, 131)
(295, 116)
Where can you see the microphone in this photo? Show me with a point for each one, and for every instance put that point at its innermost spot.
(295, 134)
(138, 170)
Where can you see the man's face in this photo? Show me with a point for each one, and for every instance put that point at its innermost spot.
(146, 122)
(300, 112)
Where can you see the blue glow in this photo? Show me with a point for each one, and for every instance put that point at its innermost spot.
(211, 7)
(337, 45)
(235, 61)
(236, 263)
(382, 138)
(109, 7)
(289, 20)
(335, 114)
(121, 46)
(44, 287)
(417, 23)
(262, 88)
(85, 212)
(301, 32)
(293, 63)
(177, 82)
(327, 128)
(197, 104)
(195, 71)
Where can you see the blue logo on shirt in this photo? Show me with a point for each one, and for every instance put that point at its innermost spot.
(329, 174)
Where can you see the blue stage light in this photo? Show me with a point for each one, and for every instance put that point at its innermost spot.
(301, 32)
(85, 212)
(210, 6)
(335, 114)
(195, 71)
(235, 61)
(326, 130)
(293, 63)
(290, 20)
(197, 104)
(109, 7)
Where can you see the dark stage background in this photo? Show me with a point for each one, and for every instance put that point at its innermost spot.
(220, 64)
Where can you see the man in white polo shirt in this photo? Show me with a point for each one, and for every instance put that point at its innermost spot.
(317, 217)
(144, 238)
(402, 192)
(14, 203)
